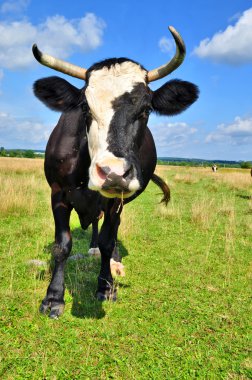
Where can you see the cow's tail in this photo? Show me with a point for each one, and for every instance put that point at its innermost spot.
(163, 186)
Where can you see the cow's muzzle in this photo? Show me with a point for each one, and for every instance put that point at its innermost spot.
(115, 179)
(114, 183)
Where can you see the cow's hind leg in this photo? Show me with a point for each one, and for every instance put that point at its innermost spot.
(93, 247)
(54, 300)
(85, 221)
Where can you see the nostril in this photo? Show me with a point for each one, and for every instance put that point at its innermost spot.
(128, 172)
(102, 171)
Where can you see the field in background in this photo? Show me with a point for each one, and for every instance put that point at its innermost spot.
(183, 307)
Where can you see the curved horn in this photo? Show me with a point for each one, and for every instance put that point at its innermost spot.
(58, 64)
(176, 61)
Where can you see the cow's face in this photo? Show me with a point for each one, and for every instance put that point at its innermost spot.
(119, 102)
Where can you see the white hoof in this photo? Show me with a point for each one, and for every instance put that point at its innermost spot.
(116, 268)
(94, 252)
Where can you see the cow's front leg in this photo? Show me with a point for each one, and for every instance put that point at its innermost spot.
(107, 242)
(54, 300)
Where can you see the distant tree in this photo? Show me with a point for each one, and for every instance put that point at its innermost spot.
(12, 153)
(29, 154)
(246, 165)
(3, 152)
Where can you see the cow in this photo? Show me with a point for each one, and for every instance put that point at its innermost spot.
(214, 168)
(101, 154)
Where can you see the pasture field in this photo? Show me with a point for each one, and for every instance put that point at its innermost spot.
(183, 307)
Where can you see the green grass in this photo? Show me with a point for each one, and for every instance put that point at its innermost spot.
(182, 309)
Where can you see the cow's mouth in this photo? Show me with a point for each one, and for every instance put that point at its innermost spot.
(116, 193)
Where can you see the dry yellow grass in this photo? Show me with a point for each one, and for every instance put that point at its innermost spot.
(187, 178)
(203, 212)
(236, 180)
(20, 179)
(128, 223)
(169, 211)
(227, 207)
(206, 207)
(239, 179)
(21, 165)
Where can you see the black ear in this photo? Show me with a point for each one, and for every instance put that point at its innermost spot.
(174, 97)
(57, 94)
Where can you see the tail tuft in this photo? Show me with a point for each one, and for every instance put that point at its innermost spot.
(163, 186)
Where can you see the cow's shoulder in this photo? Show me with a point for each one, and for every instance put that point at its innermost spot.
(67, 157)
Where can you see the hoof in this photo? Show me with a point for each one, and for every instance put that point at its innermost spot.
(116, 268)
(108, 295)
(53, 309)
(94, 252)
(56, 311)
(44, 307)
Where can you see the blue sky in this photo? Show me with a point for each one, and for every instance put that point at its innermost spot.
(218, 37)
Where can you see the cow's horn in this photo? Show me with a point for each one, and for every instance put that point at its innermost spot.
(176, 61)
(58, 64)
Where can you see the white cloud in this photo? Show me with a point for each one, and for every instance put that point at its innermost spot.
(237, 133)
(172, 136)
(231, 46)
(14, 6)
(57, 35)
(22, 133)
(166, 45)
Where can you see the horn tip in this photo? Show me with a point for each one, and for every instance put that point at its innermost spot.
(173, 30)
(36, 52)
(179, 40)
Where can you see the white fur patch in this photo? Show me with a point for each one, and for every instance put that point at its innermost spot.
(104, 87)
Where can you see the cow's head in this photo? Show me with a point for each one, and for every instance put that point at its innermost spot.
(118, 102)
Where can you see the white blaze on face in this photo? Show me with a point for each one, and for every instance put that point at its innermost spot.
(104, 86)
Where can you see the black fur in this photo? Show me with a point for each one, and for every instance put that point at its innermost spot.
(174, 97)
(129, 120)
(57, 94)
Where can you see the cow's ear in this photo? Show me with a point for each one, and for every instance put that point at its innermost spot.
(57, 94)
(174, 97)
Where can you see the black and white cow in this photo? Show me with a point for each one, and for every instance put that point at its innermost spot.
(214, 168)
(101, 154)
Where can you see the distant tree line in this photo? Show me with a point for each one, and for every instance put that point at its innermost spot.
(29, 153)
(205, 163)
(22, 153)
